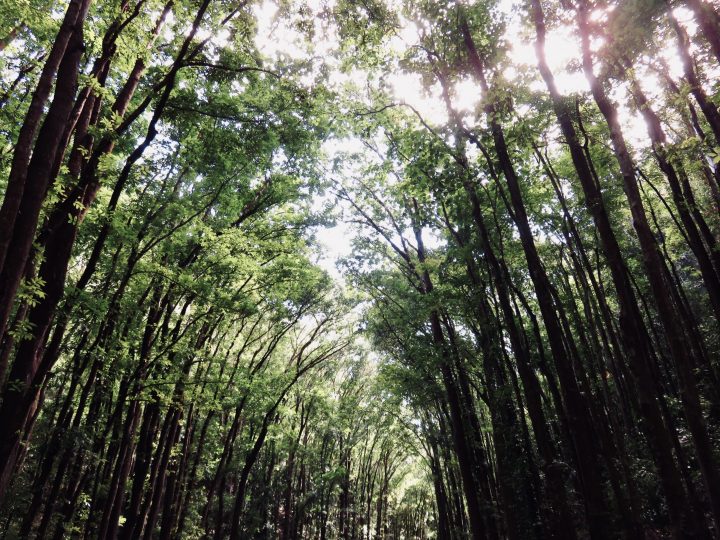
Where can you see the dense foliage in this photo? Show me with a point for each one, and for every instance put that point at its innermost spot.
(521, 338)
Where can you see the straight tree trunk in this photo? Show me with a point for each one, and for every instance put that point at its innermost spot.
(576, 409)
(634, 333)
(679, 349)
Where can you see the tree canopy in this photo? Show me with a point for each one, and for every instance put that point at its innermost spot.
(379, 269)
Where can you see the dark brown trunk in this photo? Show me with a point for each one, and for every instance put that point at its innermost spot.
(694, 237)
(671, 322)
(576, 408)
(23, 148)
(633, 331)
(709, 21)
(708, 108)
(19, 397)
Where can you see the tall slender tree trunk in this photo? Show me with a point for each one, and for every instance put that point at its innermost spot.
(633, 332)
(677, 342)
(20, 391)
(576, 408)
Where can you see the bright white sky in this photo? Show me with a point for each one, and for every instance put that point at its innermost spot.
(277, 40)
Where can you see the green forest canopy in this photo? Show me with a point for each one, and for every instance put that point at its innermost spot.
(376, 269)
